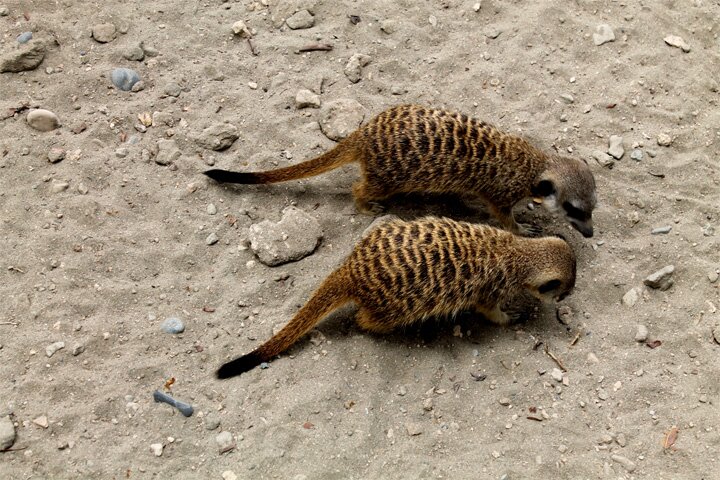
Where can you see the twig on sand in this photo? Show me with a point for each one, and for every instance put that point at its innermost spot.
(577, 337)
(316, 47)
(556, 359)
(14, 324)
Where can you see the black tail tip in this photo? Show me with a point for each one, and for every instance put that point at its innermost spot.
(217, 174)
(239, 366)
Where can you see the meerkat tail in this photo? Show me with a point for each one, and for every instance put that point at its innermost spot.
(333, 293)
(337, 157)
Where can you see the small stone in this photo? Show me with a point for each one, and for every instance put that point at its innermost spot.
(662, 279)
(78, 349)
(4, 12)
(664, 140)
(219, 136)
(678, 42)
(592, 358)
(295, 236)
(397, 90)
(388, 26)
(168, 152)
(626, 463)
(124, 78)
(402, 391)
(413, 428)
(428, 404)
(564, 314)
(121, 152)
(567, 98)
(602, 394)
(641, 334)
(139, 86)
(661, 230)
(156, 449)
(603, 34)
(603, 159)
(713, 277)
(353, 69)
(172, 89)
(636, 154)
(340, 118)
(504, 401)
(307, 99)
(43, 120)
(212, 239)
(56, 155)
(59, 187)
(27, 57)
(708, 230)
(104, 32)
(54, 347)
(476, 7)
(211, 209)
(135, 53)
(172, 325)
(615, 147)
(253, 85)
(703, 398)
(239, 28)
(630, 298)
(225, 442)
(620, 439)
(229, 475)
(7, 433)
(300, 20)
(212, 422)
(41, 421)
(557, 374)
(24, 37)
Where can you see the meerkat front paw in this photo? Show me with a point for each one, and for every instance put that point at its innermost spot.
(529, 230)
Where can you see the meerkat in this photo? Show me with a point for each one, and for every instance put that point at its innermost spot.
(403, 272)
(410, 148)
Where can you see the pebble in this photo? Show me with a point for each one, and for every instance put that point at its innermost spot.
(168, 152)
(641, 334)
(121, 152)
(564, 314)
(239, 28)
(388, 26)
(626, 463)
(173, 89)
(225, 442)
(4, 11)
(307, 99)
(661, 230)
(27, 57)
(229, 475)
(157, 449)
(504, 401)
(54, 347)
(218, 136)
(104, 32)
(397, 90)
(567, 98)
(339, 118)
(557, 374)
(662, 279)
(476, 7)
(59, 187)
(7, 433)
(211, 209)
(212, 239)
(42, 421)
(716, 334)
(172, 325)
(124, 78)
(428, 404)
(78, 349)
(603, 159)
(592, 358)
(135, 53)
(615, 147)
(630, 298)
(295, 236)
(664, 140)
(24, 37)
(56, 155)
(300, 20)
(43, 120)
(620, 439)
(353, 69)
(212, 422)
(636, 154)
(713, 277)
(603, 34)
(413, 428)
(678, 42)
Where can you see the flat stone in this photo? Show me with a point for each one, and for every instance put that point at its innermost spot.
(662, 279)
(225, 442)
(295, 236)
(7, 433)
(615, 147)
(603, 159)
(104, 32)
(603, 34)
(26, 57)
(353, 69)
(218, 136)
(168, 152)
(567, 98)
(626, 463)
(56, 155)
(54, 347)
(300, 20)
(630, 298)
(307, 99)
(41, 421)
(124, 78)
(43, 120)
(678, 42)
(339, 118)
(641, 334)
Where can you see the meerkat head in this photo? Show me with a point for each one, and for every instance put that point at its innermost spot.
(553, 269)
(568, 186)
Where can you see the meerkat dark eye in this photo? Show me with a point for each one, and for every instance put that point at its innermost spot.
(549, 286)
(574, 212)
(543, 189)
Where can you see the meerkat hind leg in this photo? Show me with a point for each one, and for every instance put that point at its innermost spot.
(367, 321)
(495, 315)
(367, 199)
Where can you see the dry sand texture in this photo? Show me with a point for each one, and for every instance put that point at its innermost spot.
(101, 246)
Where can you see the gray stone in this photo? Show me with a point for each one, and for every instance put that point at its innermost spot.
(295, 236)
(212, 422)
(641, 334)
(636, 154)
(307, 99)
(388, 26)
(626, 463)
(56, 155)
(340, 118)
(124, 78)
(168, 152)
(43, 120)
(677, 42)
(172, 325)
(615, 147)
(24, 37)
(630, 298)
(4, 11)
(353, 69)
(26, 57)
(225, 442)
(603, 34)
(713, 277)
(104, 32)
(218, 137)
(7, 433)
(77, 349)
(58, 187)
(557, 374)
(135, 53)
(211, 209)
(661, 230)
(662, 279)
(54, 347)
(603, 159)
(567, 98)
(413, 428)
(239, 28)
(300, 20)
(173, 89)
(212, 239)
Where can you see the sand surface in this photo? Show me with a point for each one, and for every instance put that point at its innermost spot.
(101, 247)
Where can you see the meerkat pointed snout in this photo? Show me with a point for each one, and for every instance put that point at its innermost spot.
(410, 148)
(404, 272)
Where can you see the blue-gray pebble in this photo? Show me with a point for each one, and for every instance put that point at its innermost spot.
(124, 78)
(24, 37)
(172, 325)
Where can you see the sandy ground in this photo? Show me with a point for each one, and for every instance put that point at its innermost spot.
(100, 264)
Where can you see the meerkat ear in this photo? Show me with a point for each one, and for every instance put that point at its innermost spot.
(549, 286)
(544, 188)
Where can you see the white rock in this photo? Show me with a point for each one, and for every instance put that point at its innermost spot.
(239, 28)
(603, 34)
(678, 42)
(225, 442)
(615, 147)
(300, 20)
(54, 347)
(630, 298)
(353, 69)
(157, 449)
(664, 140)
(307, 99)
(7, 433)
(641, 334)
(43, 120)
(295, 236)
(557, 374)
(229, 475)
(41, 421)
